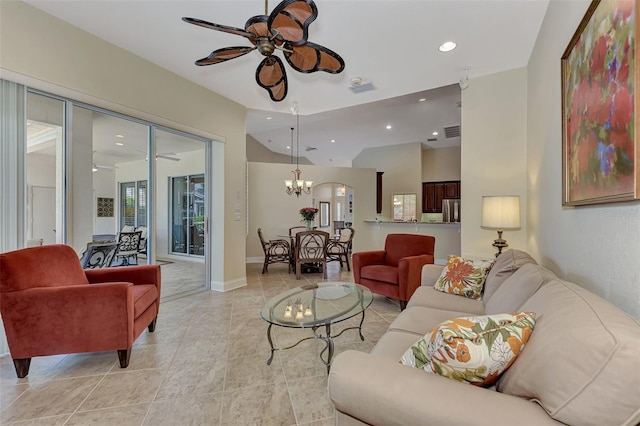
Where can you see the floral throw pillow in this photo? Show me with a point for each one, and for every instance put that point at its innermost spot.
(464, 277)
(474, 350)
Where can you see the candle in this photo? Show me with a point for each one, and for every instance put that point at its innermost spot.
(299, 315)
(287, 313)
(308, 312)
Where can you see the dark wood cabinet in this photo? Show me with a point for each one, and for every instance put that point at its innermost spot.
(434, 192)
(379, 192)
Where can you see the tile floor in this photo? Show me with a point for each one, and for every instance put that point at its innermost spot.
(204, 365)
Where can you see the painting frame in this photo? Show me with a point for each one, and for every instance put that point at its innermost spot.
(599, 72)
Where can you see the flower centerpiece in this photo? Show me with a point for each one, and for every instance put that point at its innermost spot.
(308, 215)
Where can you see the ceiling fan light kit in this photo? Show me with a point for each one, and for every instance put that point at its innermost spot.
(285, 29)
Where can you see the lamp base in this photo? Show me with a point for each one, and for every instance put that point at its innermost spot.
(500, 243)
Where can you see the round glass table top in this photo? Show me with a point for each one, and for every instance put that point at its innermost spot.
(315, 305)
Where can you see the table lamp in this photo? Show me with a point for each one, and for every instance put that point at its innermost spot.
(501, 212)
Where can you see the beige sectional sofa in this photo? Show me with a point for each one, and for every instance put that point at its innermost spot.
(581, 365)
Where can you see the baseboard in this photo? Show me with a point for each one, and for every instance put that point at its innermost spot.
(229, 285)
(255, 260)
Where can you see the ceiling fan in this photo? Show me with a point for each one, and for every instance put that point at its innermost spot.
(164, 155)
(286, 29)
(97, 167)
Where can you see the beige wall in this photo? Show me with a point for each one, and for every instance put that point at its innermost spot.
(402, 167)
(260, 153)
(271, 209)
(441, 164)
(597, 246)
(46, 53)
(493, 154)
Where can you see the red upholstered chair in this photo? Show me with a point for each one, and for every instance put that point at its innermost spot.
(51, 306)
(395, 271)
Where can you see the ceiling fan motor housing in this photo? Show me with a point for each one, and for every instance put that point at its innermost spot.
(265, 46)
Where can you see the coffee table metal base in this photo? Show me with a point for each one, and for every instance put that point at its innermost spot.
(327, 338)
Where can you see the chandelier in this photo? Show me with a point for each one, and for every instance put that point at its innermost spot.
(297, 185)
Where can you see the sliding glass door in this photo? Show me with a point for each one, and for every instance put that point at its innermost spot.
(188, 214)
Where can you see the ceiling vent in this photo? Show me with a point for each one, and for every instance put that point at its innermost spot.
(432, 139)
(311, 148)
(452, 131)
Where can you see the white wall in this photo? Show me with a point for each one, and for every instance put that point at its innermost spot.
(596, 246)
(402, 167)
(494, 141)
(271, 209)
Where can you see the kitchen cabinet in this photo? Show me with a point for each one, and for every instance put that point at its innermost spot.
(434, 192)
(379, 192)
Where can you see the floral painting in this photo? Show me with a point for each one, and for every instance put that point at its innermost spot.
(598, 87)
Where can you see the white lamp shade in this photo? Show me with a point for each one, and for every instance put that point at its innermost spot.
(501, 212)
(288, 183)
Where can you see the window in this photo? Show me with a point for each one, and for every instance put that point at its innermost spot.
(404, 207)
(133, 203)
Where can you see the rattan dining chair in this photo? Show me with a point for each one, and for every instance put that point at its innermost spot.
(338, 250)
(275, 251)
(311, 247)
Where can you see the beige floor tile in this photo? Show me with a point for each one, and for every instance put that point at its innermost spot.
(9, 393)
(84, 364)
(132, 415)
(310, 399)
(197, 351)
(329, 421)
(37, 371)
(43, 421)
(193, 379)
(123, 389)
(150, 356)
(49, 398)
(258, 405)
(304, 360)
(254, 344)
(252, 371)
(202, 409)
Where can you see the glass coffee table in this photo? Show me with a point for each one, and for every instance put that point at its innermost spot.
(314, 306)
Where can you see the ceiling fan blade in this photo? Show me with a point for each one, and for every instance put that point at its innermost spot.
(291, 20)
(258, 26)
(218, 27)
(271, 76)
(166, 157)
(311, 57)
(224, 54)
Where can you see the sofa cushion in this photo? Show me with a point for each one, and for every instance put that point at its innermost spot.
(388, 274)
(474, 350)
(419, 320)
(505, 265)
(464, 277)
(432, 298)
(581, 364)
(518, 288)
(393, 343)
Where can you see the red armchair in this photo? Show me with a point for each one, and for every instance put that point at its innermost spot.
(395, 271)
(51, 306)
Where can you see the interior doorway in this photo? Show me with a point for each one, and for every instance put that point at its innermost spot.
(336, 198)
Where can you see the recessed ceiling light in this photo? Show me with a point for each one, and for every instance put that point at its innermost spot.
(333, 141)
(119, 144)
(388, 126)
(447, 46)
(268, 118)
(119, 136)
(422, 99)
(288, 147)
(435, 133)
